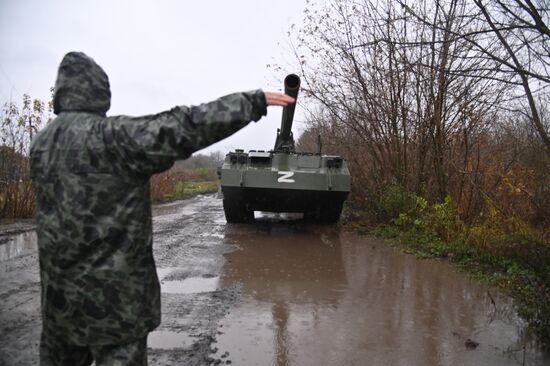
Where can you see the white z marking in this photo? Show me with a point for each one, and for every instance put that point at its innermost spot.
(285, 177)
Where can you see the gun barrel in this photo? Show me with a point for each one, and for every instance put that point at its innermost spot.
(292, 85)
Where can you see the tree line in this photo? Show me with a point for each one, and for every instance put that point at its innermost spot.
(440, 97)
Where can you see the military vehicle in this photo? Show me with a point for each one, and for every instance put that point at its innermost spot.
(282, 180)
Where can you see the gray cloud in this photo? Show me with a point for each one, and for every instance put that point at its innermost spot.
(157, 54)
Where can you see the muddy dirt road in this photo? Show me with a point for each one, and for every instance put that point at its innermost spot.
(284, 292)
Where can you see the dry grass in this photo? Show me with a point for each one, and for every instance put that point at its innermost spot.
(16, 200)
(182, 183)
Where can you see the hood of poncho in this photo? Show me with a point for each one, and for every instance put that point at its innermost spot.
(81, 86)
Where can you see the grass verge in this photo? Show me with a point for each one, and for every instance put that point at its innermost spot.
(188, 189)
(175, 184)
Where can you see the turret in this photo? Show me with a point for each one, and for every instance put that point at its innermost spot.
(285, 139)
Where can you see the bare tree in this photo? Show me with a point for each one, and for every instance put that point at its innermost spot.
(520, 27)
(405, 89)
(512, 38)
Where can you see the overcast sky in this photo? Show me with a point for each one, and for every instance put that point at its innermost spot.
(157, 54)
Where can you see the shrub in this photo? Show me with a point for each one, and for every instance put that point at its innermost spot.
(394, 200)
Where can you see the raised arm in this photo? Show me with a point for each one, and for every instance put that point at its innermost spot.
(150, 144)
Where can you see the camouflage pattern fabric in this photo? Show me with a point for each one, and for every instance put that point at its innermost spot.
(54, 352)
(91, 180)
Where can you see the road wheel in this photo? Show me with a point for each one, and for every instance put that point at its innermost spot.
(237, 212)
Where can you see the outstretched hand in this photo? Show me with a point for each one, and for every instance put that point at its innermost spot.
(278, 99)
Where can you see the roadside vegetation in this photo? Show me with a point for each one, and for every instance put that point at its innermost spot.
(499, 249)
(441, 110)
(18, 124)
(188, 178)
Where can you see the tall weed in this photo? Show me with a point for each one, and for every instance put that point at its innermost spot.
(18, 125)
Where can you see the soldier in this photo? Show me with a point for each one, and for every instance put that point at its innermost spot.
(100, 290)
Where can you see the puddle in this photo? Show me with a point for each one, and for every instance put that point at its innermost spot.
(166, 271)
(179, 207)
(212, 235)
(191, 285)
(314, 296)
(166, 208)
(220, 220)
(188, 210)
(164, 339)
(20, 244)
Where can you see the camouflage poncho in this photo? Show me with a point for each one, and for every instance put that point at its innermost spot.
(91, 179)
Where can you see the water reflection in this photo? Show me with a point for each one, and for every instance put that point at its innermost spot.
(314, 296)
(280, 319)
(20, 244)
(285, 271)
(286, 262)
(164, 339)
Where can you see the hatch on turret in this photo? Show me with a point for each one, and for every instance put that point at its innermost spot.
(259, 157)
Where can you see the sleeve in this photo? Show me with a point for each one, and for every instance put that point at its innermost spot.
(151, 144)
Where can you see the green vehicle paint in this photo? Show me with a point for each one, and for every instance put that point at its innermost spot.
(281, 180)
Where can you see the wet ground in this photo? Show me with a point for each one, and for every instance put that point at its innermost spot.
(286, 292)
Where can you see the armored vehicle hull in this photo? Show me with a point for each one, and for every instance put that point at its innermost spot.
(313, 184)
(282, 180)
